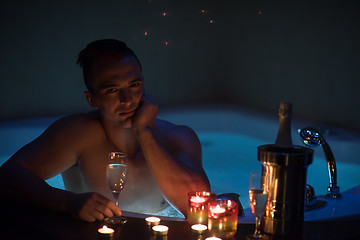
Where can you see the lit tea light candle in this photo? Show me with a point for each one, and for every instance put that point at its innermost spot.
(197, 199)
(213, 238)
(160, 229)
(199, 228)
(152, 220)
(105, 231)
(218, 210)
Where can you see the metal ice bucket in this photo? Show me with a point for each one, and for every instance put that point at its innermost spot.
(284, 174)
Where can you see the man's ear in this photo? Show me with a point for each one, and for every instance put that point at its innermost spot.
(90, 99)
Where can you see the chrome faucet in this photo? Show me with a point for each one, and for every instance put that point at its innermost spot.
(312, 138)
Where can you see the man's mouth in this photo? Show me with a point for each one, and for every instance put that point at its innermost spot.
(127, 113)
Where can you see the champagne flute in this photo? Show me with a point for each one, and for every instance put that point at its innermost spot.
(258, 196)
(116, 177)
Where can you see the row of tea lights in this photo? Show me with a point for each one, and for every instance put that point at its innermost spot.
(204, 213)
(163, 230)
(158, 229)
(151, 221)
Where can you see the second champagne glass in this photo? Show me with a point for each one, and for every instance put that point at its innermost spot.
(258, 196)
(116, 177)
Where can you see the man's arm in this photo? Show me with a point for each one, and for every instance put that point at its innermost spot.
(23, 176)
(174, 158)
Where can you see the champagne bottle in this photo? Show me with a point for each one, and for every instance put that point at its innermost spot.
(283, 138)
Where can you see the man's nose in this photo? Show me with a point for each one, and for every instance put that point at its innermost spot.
(125, 97)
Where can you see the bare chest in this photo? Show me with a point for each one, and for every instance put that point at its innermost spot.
(140, 192)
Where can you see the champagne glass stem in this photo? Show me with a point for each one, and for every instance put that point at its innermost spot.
(116, 196)
(257, 226)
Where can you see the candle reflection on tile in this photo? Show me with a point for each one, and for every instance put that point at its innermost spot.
(158, 237)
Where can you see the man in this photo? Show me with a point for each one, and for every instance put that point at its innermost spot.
(164, 160)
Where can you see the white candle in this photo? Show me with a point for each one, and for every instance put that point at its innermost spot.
(218, 209)
(197, 199)
(199, 228)
(160, 229)
(152, 220)
(213, 238)
(106, 231)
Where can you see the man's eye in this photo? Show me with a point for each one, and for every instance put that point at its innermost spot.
(110, 90)
(135, 84)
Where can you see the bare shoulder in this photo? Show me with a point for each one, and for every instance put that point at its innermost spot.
(178, 139)
(64, 140)
(77, 123)
(167, 131)
(73, 132)
(79, 119)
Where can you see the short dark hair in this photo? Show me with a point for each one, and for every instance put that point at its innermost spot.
(97, 50)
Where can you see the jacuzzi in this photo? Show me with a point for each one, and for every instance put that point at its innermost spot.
(229, 137)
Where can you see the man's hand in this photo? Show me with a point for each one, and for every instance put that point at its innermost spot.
(145, 114)
(91, 206)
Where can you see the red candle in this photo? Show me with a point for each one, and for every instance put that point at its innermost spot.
(198, 206)
(222, 221)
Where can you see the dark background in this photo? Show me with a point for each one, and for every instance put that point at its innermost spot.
(250, 53)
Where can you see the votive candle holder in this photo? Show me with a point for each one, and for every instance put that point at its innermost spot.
(223, 216)
(198, 205)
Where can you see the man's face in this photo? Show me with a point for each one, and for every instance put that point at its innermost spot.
(118, 86)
